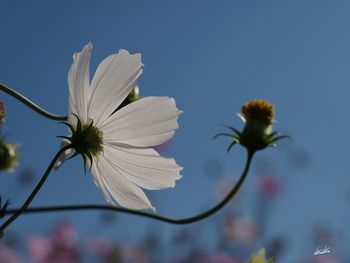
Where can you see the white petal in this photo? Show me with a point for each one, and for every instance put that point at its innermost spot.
(99, 182)
(64, 156)
(114, 79)
(147, 122)
(117, 188)
(78, 82)
(143, 166)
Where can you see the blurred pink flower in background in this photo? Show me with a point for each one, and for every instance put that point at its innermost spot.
(108, 252)
(204, 257)
(135, 255)
(39, 248)
(64, 235)
(322, 259)
(242, 230)
(60, 247)
(2, 111)
(194, 256)
(269, 186)
(105, 251)
(99, 247)
(225, 185)
(7, 255)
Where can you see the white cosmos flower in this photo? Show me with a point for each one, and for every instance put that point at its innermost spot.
(119, 144)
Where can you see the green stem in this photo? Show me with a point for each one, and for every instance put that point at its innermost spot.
(182, 221)
(22, 210)
(31, 104)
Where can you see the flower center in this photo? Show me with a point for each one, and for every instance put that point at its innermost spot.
(87, 139)
(259, 111)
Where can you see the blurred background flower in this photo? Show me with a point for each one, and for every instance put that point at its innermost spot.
(7, 255)
(2, 112)
(61, 246)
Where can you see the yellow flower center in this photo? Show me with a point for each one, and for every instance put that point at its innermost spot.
(259, 111)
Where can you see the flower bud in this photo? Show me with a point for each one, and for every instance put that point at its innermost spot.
(8, 156)
(258, 116)
(134, 95)
(259, 257)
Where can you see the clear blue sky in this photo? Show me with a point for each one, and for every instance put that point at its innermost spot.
(211, 56)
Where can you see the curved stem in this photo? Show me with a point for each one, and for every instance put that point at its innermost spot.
(22, 210)
(182, 221)
(31, 104)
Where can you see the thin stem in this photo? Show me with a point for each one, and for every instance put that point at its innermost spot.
(22, 210)
(182, 221)
(31, 104)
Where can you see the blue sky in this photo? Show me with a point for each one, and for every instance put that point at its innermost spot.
(211, 56)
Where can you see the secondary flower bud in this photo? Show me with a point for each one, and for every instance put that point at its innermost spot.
(258, 117)
(8, 156)
(260, 257)
(133, 96)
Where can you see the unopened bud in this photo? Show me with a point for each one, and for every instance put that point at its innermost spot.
(259, 257)
(258, 116)
(8, 156)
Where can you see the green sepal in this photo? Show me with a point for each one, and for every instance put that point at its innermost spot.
(238, 133)
(65, 137)
(230, 146)
(89, 155)
(277, 138)
(75, 154)
(78, 129)
(86, 140)
(272, 134)
(236, 136)
(70, 126)
(84, 160)
(226, 135)
(78, 126)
